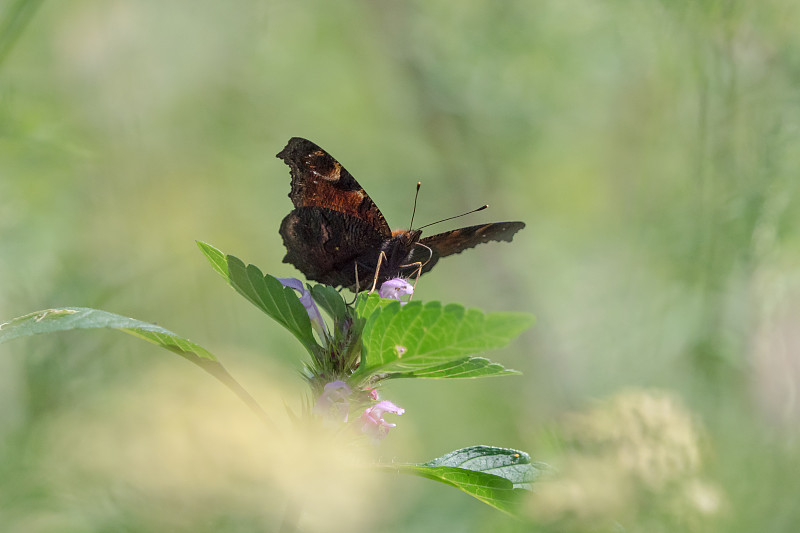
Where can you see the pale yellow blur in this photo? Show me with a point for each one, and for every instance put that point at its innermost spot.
(177, 446)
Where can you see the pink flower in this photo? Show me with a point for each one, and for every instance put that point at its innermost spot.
(308, 302)
(372, 422)
(395, 288)
(333, 404)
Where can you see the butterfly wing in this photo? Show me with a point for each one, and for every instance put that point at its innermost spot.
(321, 181)
(335, 224)
(325, 245)
(458, 240)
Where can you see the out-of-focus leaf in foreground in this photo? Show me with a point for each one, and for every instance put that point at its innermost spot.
(67, 318)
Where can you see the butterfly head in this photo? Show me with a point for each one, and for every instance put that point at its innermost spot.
(407, 236)
(398, 251)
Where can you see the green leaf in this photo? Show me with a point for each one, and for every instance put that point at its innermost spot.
(367, 303)
(67, 318)
(469, 367)
(496, 476)
(215, 257)
(268, 294)
(265, 292)
(417, 337)
(330, 300)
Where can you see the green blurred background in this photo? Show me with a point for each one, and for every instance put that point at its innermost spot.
(650, 146)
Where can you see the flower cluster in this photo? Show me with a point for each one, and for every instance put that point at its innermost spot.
(333, 406)
(337, 398)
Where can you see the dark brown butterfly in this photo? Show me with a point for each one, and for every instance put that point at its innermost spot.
(337, 235)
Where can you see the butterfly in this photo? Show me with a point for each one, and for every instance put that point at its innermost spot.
(336, 235)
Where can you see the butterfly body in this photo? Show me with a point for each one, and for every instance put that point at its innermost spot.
(337, 235)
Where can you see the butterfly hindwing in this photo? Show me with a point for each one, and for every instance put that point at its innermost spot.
(458, 240)
(325, 244)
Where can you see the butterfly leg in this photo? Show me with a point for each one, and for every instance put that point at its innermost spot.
(430, 256)
(416, 279)
(381, 258)
(355, 265)
(418, 272)
(418, 268)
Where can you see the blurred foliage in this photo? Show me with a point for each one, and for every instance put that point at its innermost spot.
(650, 147)
(634, 459)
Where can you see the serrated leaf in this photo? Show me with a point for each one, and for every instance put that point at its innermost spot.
(67, 318)
(265, 292)
(330, 300)
(496, 476)
(420, 337)
(469, 367)
(507, 463)
(215, 257)
(268, 294)
(367, 303)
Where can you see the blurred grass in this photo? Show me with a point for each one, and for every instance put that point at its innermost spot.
(650, 147)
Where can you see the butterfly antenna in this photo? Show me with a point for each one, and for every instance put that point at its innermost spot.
(481, 208)
(414, 211)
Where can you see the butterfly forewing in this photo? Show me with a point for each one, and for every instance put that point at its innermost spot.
(319, 180)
